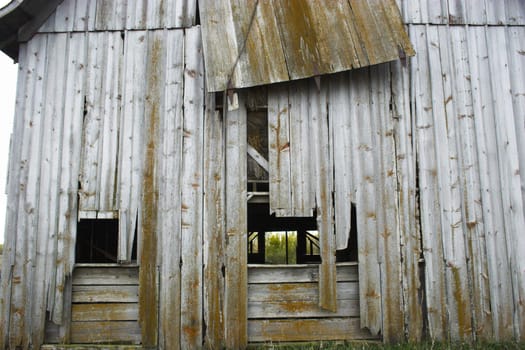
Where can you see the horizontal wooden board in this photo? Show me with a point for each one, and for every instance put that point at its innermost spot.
(90, 347)
(298, 291)
(105, 294)
(297, 273)
(105, 312)
(300, 309)
(306, 330)
(105, 332)
(106, 275)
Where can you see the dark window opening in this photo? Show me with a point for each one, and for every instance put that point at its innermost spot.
(97, 241)
(289, 240)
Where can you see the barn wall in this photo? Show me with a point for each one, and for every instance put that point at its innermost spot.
(430, 150)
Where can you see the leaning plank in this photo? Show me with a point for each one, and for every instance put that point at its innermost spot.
(299, 273)
(105, 312)
(105, 332)
(235, 303)
(131, 146)
(300, 308)
(323, 174)
(105, 294)
(306, 330)
(339, 113)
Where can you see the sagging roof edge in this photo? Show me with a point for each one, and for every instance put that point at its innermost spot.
(20, 19)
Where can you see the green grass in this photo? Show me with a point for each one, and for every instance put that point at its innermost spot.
(377, 346)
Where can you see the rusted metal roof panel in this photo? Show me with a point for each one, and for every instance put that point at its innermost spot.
(255, 42)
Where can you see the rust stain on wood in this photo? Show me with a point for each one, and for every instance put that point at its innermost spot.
(148, 315)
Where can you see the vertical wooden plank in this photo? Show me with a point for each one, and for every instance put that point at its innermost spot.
(435, 297)
(18, 259)
(323, 172)
(407, 211)
(214, 177)
(484, 224)
(169, 196)
(109, 130)
(236, 279)
(67, 211)
(13, 190)
(155, 14)
(457, 12)
(31, 185)
(93, 119)
(495, 10)
(301, 167)
(363, 170)
(515, 37)
(279, 150)
(44, 278)
(148, 274)
(131, 143)
(191, 198)
(64, 16)
(85, 11)
(387, 187)
(136, 14)
(493, 217)
(515, 12)
(516, 41)
(509, 170)
(454, 73)
(340, 131)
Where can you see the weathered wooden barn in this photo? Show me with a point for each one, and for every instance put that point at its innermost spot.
(158, 144)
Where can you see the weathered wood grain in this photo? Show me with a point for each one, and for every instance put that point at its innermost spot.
(105, 294)
(364, 175)
(106, 276)
(340, 129)
(410, 239)
(105, 332)
(131, 139)
(213, 225)
(236, 273)
(298, 291)
(279, 151)
(300, 309)
(430, 223)
(105, 312)
(170, 151)
(306, 330)
(323, 193)
(298, 273)
(192, 192)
